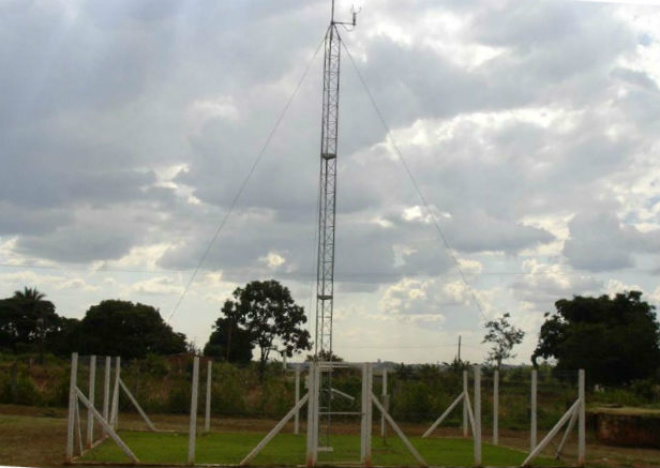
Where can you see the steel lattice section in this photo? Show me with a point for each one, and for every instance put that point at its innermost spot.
(327, 196)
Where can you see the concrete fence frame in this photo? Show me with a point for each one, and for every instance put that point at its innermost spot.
(107, 418)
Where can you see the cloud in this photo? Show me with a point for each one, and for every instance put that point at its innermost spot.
(599, 242)
(541, 284)
(424, 302)
(509, 124)
(160, 285)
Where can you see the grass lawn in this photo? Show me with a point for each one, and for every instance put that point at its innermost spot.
(289, 450)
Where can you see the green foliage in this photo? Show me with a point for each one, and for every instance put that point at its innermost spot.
(229, 389)
(155, 365)
(27, 321)
(616, 340)
(412, 402)
(268, 314)
(19, 388)
(403, 372)
(229, 342)
(325, 355)
(457, 366)
(122, 328)
(503, 336)
(178, 397)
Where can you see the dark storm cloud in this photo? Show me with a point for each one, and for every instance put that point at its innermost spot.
(78, 244)
(17, 220)
(478, 231)
(411, 82)
(599, 242)
(90, 125)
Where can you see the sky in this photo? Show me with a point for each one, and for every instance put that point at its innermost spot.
(494, 156)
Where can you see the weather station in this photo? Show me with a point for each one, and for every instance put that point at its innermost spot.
(327, 220)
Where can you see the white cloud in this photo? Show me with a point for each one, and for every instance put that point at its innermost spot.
(78, 283)
(160, 285)
(273, 260)
(201, 111)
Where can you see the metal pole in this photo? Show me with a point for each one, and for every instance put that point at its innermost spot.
(207, 420)
(496, 407)
(296, 420)
(477, 415)
(72, 408)
(106, 390)
(92, 390)
(465, 404)
(533, 428)
(582, 449)
(192, 433)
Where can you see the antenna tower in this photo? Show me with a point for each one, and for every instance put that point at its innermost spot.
(327, 208)
(328, 189)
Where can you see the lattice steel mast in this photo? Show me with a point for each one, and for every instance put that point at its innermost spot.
(328, 189)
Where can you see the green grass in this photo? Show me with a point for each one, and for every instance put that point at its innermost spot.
(289, 450)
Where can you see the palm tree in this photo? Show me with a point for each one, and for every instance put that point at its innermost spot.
(37, 316)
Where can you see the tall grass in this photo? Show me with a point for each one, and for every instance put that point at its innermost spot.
(417, 393)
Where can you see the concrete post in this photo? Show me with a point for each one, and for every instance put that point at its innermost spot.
(207, 413)
(313, 415)
(73, 403)
(465, 404)
(477, 415)
(106, 390)
(386, 404)
(92, 391)
(582, 446)
(114, 413)
(192, 432)
(533, 428)
(296, 420)
(365, 432)
(496, 407)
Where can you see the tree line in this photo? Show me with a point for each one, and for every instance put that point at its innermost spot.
(30, 324)
(615, 339)
(261, 315)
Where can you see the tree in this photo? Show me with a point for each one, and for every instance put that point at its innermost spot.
(67, 338)
(615, 339)
(27, 321)
(325, 355)
(457, 366)
(229, 342)
(268, 313)
(503, 336)
(121, 328)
